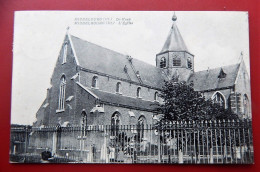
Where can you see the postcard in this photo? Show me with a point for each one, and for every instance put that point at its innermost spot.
(131, 87)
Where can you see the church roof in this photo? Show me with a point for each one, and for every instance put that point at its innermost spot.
(94, 57)
(174, 41)
(121, 100)
(211, 79)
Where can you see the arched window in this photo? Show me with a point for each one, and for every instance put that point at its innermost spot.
(156, 96)
(189, 63)
(219, 99)
(138, 92)
(64, 56)
(176, 61)
(163, 62)
(115, 121)
(246, 106)
(62, 93)
(118, 87)
(140, 128)
(95, 82)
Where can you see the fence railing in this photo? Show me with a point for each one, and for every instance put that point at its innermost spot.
(177, 142)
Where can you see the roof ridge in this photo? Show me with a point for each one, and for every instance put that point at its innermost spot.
(98, 45)
(114, 51)
(96, 58)
(218, 67)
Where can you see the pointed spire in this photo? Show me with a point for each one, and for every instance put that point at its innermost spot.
(174, 17)
(67, 30)
(241, 57)
(174, 41)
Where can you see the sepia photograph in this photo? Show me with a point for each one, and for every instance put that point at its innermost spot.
(131, 87)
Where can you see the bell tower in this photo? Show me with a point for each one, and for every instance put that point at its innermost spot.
(174, 57)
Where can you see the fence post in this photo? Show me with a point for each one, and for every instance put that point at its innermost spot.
(14, 150)
(26, 137)
(211, 156)
(249, 141)
(159, 145)
(194, 142)
(235, 143)
(54, 141)
(176, 141)
(180, 157)
(207, 141)
(225, 144)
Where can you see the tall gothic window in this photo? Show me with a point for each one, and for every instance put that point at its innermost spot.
(156, 96)
(95, 82)
(118, 87)
(64, 56)
(62, 93)
(219, 99)
(189, 63)
(176, 60)
(138, 92)
(115, 121)
(246, 106)
(163, 62)
(140, 128)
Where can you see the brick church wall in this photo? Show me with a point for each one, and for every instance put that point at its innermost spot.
(108, 84)
(242, 87)
(67, 69)
(86, 102)
(225, 92)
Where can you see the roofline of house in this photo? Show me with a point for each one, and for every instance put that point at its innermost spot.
(118, 78)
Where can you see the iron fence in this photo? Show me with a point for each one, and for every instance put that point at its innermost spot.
(204, 142)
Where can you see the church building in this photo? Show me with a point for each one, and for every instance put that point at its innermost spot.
(99, 86)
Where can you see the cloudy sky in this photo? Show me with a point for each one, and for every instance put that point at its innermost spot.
(215, 38)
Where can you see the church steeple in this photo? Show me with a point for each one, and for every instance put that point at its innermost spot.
(174, 55)
(174, 17)
(174, 41)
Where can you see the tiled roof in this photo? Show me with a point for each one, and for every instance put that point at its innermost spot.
(174, 41)
(124, 100)
(96, 58)
(209, 79)
(93, 57)
(121, 100)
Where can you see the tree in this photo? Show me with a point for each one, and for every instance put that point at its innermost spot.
(182, 102)
(184, 108)
(192, 121)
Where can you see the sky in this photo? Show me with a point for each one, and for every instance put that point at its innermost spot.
(215, 38)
